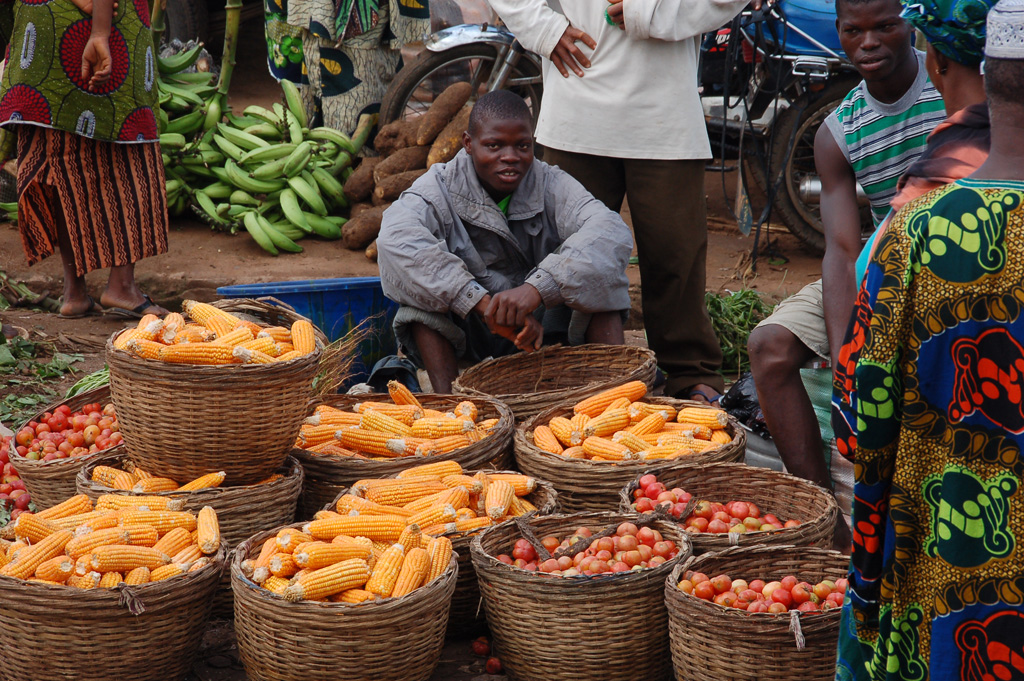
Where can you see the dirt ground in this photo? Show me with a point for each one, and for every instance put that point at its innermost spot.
(199, 261)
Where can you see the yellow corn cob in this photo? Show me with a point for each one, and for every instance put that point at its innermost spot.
(320, 515)
(525, 504)
(350, 502)
(209, 531)
(166, 572)
(76, 504)
(433, 414)
(265, 345)
(273, 478)
(150, 485)
(439, 470)
(403, 492)
(255, 328)
(640, 410)
(599, 446)
(118, 502)
(434, 515)
(415, 568)
(276, 585)
(141, 535)
(634, 442)
(400, 394)
(522, 484)
(299, 575)
(287, 349)
(202, 312)
(375, 420)
(473, 485)
(467, 409)
(163, 521)
(326, 432)
(433, 428)
(352, 596)
(144, 348)
(670, 451)
(219, 325)
(140, 575)
(125, 337)
(104, 474)
(703, 416)
(316, 555)
(411, 537)
(174, 321)
(376, 528)
(465, 512)
(187, 555)
(450, 443)
(124, 480)
(619, 403)
(593, 406)
(561, 428)
(260, 566)
(247, 356)
(4, 560)
(577, 424)
(652, 423)
(289, 538)
(361, 486)
(56, 569)
(85, 544)
(278, 333)
(199, 564)
(328, 415)
(607, 423)
(406, 413)
(122, 558)
(174, 541)
(457, 497)
(90, 580)
(31, 527)
(110, 580)
(385, 572)
(369, 441)
(469, 524)
(236, 336)
(204, 482)
(303, 337)
(439, 552)
(317, 584)
(358, 543)
(189, 335)
(197, 353)
(14, 547)
(720, 437)
(283, 565)
(697, 446)
(287, 356)
(150, 330)
(700, 432)
(545, 438)
(499, 496)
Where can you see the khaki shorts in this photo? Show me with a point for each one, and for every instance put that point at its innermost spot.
(803, 314)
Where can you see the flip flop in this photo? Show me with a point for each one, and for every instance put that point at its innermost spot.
(137, 312)
(696, 392)
(94, 310)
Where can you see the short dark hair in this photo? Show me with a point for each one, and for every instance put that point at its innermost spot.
(502, 105)
(1004, 81)
(840, 3)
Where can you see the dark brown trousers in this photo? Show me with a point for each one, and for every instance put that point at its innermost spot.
(669, 211)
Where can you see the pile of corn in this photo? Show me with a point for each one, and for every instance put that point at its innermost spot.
(215, 337)
(616, 426)
(135, 540)
(139, 481)
(388, 430)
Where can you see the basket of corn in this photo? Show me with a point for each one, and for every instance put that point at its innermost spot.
(590, 449)
(533, 382)
(50, 482)
(469, 502)
(801, 638)
(111, 591)
(214, 392)
(360, 437)
(547, 608)
(334, 599)
(752, 506)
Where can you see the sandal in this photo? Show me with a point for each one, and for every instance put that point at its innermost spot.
(698, 395)
(94, 310)
(137, 312)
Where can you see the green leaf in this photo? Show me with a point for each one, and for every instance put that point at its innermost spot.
(6, 356)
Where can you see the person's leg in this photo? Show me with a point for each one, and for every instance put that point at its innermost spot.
(76, 300)
(438, 357)
(601, 176)
(606, 327)
(123, 292)
(667, 204)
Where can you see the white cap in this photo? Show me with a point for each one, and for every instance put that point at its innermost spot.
(1005, 31)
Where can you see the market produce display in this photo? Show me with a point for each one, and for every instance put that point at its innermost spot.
(120, 539)
(141, 482)
(407, 148)
(14, 498)
(615, 425)
(388, 430)
(215, 337)
(704, 516)
(64, 433)
(757, 596)
(629, 548)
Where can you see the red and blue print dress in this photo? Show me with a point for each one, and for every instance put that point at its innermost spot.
(929, 404)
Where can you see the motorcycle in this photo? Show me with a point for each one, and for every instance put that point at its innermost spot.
(768, 79)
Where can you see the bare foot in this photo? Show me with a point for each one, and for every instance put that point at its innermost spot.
(79, 307)
(701, 392)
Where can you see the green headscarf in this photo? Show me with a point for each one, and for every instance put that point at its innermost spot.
(956, 28)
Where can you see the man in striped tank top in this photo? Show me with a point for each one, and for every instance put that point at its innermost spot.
(877, 132)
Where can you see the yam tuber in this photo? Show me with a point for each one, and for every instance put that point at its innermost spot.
(371, 251)
(410, 158)
(396, 135)
(362, 229)
(449, 141)
(359, 184)
(389, 188)
(442, 111)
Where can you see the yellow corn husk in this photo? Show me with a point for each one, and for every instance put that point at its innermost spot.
(477, 434)
(123, 558)
(174, 541)
(400, 394)
(144, 348)
(124, 481)
(79, 503)
(593, 406)
(546, 439)
(141, 535)
(151, 485)
(276, 585)
(56, 569)
(349, 502)
(634, 442)
(376, 528)
(85, 544)
(236, 336)
(32, 528)
(265, 345)
(204, 482)
(289, 539)
(316, 555)
(522, 484)
(198, 353)
(720, 437)
(415, 567)
(208, 528)
(140, 575)
(704, 416)
(574, 453)
(385, 572)
(110, 580)
(403, 492)
(439, 470)
(607, 423)
(561, 428)
(433, 516)
(163, 521)
(166, 572)
(278, 333)
(317, 584)
(372, 419)
(303, 337)
(352, 596)
(406, 413)
(90, 580)
(439, 552)
(652, 423)
(187, 555)
(125, 337)
(499, 497)
(433, 428)
(104, 474)
(283, 565)
(472, 485)
(599, 446)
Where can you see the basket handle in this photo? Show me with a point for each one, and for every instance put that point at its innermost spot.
(129, 599)
(275, 301)
(794, 628)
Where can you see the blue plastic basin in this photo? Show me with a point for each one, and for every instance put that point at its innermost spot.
(336, 306)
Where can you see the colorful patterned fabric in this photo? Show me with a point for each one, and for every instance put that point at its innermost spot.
(881, 140)
(42, 81)
(111, 196)
(956, 28)
(929, 404)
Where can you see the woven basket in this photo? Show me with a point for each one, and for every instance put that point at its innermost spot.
(467, 617)
(396, 639)
(51, 482)
(787, 496)
(567, 628)
(55, 633)
(530, 383)
(714, 642)
(181, 421)
(585, 485)
(327, 476)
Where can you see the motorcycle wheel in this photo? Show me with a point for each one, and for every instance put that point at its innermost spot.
(417, 84)
(800, 122)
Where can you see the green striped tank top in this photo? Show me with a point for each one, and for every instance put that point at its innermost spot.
(882, 140)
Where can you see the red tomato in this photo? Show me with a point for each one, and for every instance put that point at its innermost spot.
(739, 585)
(726, 598)
(698, 523)
(42, 428)
(718, 527)
(759, 606)
(739, 510)
(632, 558)
(721, 515)
(704, 590)
(66, 410)
(493, 665)
(530, 567)
(822, 590)
(791, 523)
(653, 490)
(638, 493)
(655, 561)
(648, 479)
(808, 606)
(24, 437)
(769, 518)
(782, 595)
(768, 588)
(703, 510)
(776, 608)
(583, 532)
(644, 505)
(550, 565)
(550, 543)
(841, 584)
(627, 528)
(800, 594)
(662, 548)
(600, 566)
(721, 583)
(698, 577)
(505, 558)
(620, 567)
(748, 595)
(564, 563)
(646, 552)
(751, 523)
(628, 542)
(481, 647)
(753, 510)
(788, 582)
(686, 586)
(835, 597)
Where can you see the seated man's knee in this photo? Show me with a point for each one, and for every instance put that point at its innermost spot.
(775, 348)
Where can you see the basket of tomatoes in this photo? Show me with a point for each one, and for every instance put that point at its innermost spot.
(52, 446)
(579, 596)
(782, 599)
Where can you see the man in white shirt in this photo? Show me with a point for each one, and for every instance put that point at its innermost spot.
(621, 114)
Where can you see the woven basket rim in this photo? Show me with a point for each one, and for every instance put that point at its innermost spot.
(81, 398)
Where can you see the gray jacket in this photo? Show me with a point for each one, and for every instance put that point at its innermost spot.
(557, 237)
